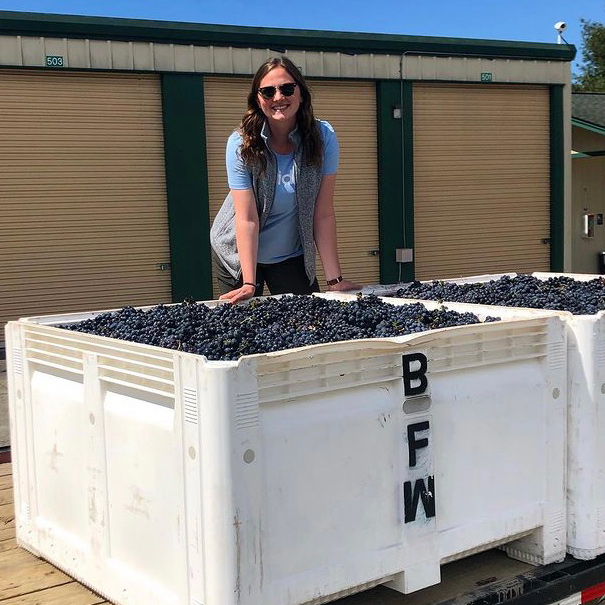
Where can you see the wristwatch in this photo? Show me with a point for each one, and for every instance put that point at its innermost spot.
(333, 282)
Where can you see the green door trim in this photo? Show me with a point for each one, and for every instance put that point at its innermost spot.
(557, 179)
(409, 269)
(395, 178)
(187, 186)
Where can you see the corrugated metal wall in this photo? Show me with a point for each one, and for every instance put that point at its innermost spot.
(481, 179)
(351, 109)
(82, 192)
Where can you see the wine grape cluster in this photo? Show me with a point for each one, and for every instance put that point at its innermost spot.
(561, 293)
(226, 332)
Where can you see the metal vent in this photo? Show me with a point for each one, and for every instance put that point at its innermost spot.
(557, 355)
(17, 361)
(246, 412)
(190, 405)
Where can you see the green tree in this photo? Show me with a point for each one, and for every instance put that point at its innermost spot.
(592, 72)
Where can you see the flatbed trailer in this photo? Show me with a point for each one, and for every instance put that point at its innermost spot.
(492, 578)
(487, 578)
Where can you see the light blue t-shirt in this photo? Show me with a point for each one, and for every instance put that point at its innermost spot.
(280, 238)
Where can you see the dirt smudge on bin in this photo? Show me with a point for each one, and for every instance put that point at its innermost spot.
(260, 551)
(92, 505)
(383, 419)
(238, 546)
(139, 503)
(55, 454)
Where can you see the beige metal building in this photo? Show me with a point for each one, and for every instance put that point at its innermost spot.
(588, 182)
(454, 154)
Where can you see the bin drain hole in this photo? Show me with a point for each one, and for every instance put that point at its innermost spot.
(192, 453)
(603, 388)
(249, 456)
(18, 393)
(556, 394)
(92, 419)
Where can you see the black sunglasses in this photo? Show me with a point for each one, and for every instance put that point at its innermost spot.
(268, 92)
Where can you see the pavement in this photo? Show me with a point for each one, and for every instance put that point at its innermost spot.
(4, 428)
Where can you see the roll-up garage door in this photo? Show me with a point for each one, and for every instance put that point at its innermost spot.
(82, 193)
(481, 179)
(351, 109)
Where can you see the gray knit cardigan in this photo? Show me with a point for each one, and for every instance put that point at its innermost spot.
(308, 182)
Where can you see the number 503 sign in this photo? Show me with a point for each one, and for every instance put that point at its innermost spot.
(54, 61)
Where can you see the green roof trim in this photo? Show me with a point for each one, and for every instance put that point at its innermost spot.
(588, 126)
(588, 154)
(111, 28)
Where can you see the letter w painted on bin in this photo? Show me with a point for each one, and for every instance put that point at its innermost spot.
(421, 486)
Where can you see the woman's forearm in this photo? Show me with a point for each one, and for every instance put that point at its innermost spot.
(246, 235)
(325, 240)
(324, 227)
(246, 232)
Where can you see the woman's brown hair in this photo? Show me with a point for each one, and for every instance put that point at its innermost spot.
(253, 147)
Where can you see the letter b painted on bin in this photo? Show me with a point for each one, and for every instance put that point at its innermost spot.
(414, 374)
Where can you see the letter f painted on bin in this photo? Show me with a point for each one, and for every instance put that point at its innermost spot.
(416, 444)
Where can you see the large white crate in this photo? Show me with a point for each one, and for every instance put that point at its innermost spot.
(158, 477)
(586, 421)
(456, 528)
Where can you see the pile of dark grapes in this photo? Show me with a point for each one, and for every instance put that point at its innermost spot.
(556, 293)
(227, 332)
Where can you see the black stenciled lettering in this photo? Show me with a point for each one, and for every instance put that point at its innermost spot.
(416, 444)
(420, 492)
(509, 593)
(410, 375)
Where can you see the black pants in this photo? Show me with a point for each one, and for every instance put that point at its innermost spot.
(287, 277)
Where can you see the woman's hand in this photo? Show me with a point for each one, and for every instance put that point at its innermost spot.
(343, 285)
(243, 293)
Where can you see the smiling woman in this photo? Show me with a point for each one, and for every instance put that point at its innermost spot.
(281, 167)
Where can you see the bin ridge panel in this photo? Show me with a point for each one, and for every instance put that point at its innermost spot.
(586, 419)
(297, 477)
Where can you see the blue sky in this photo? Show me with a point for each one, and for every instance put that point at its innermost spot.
(525, 20)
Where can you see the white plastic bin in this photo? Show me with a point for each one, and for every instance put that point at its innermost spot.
(462, 526)
(586, 421)
(158, 477)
